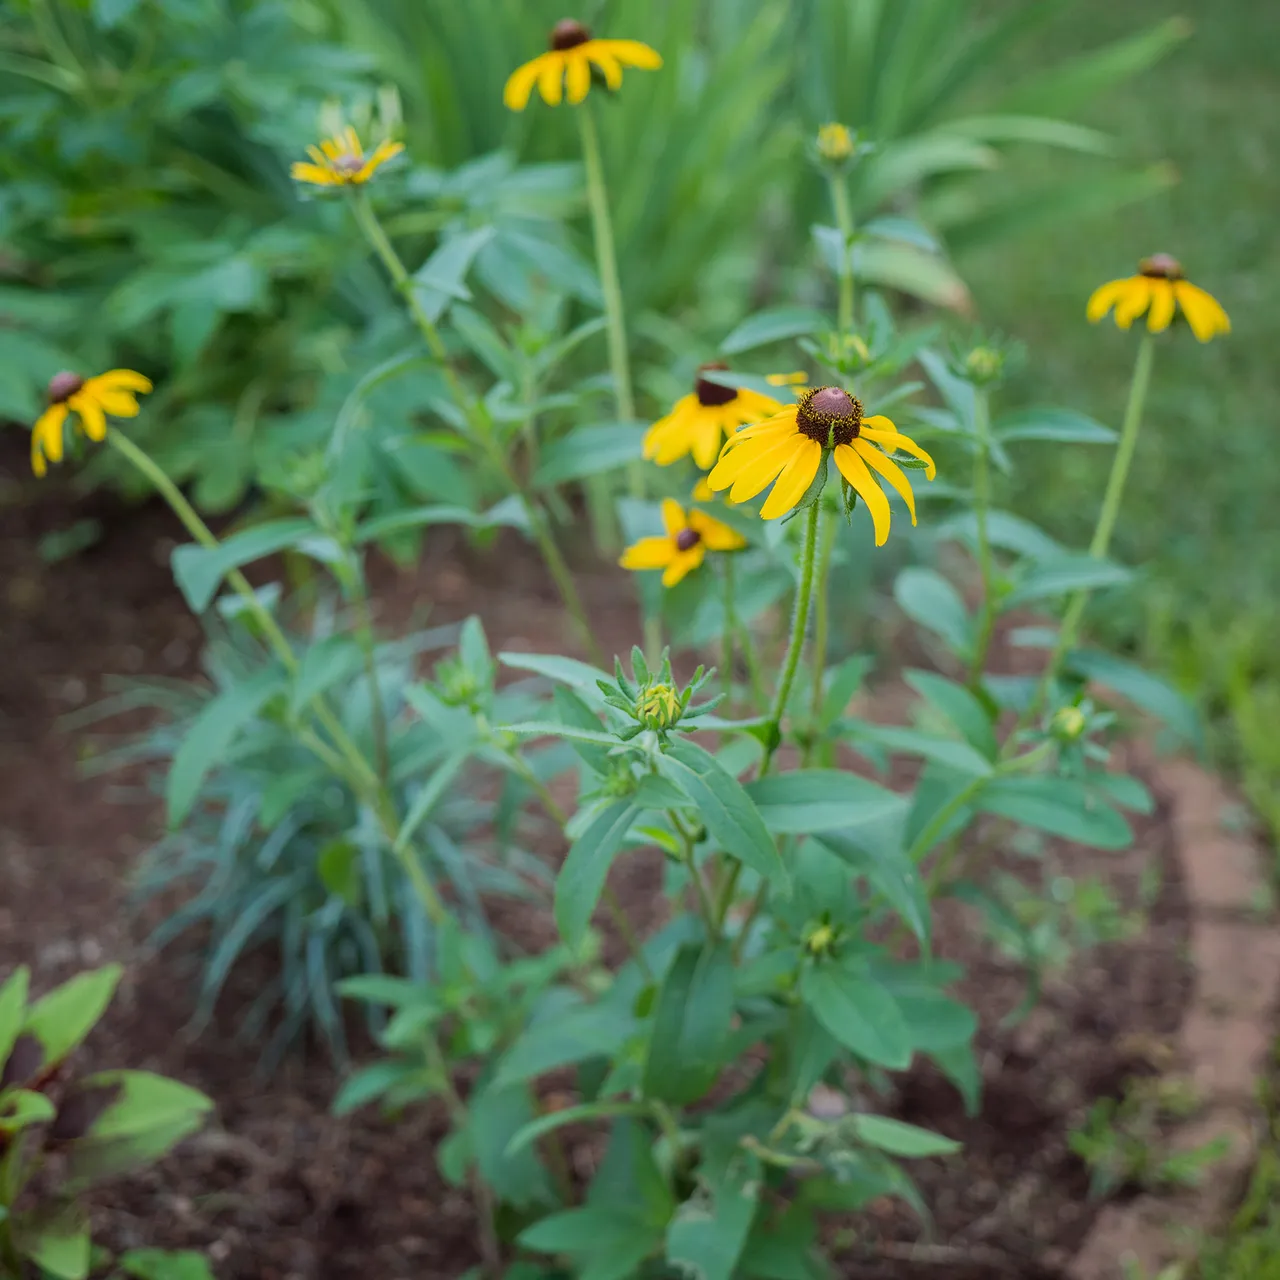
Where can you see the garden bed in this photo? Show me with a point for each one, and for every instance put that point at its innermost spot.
(280, 1189)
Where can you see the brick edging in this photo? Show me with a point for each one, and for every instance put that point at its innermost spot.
(1225, 1037)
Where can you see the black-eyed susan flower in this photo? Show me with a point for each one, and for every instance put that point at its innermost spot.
(789, 448)
(1160, 290)
(341, 161)
(689, 536)
(114, 393)
(565, 70)
(698, 423)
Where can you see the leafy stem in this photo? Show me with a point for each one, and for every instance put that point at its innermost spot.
(981, 509)
(844, 223)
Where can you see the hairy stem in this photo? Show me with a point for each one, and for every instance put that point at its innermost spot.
(821, 624)
(844, 223)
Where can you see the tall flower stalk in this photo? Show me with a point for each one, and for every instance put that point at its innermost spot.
(981, 514)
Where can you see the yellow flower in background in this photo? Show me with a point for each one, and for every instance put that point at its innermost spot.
(1159, 290)
(340, 161)
(699, 423)
(566, 68)
(91, 399)
(795, 382)
(836, 142)
(790, 446)
(684, 546)
(703, 492)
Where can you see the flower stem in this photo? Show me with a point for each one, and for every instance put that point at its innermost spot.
(369, 650)
(821, 623)
(844, 223)
(730, 627)
(1107, 518)
(799, 621)
(477, 416)
(981, 509)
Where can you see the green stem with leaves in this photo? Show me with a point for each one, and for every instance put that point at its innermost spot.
(477, 417)
(1107, 517)
(981, 512)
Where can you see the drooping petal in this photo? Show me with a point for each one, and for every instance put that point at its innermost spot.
(515, 96)
(685, 562)
(1162, 301)
(332, 147)
(609, 66)
(351, 143)
(668, 438)
(119, 404)
(551, 78)
(705, 439)
(1105, 297)
(752, 467)
(715, 533)
(864, 483)
(301, 171)
(120, 379)
(631, 53)
(799, 379)
(784, 420)
(577, 75)
(795, 479)
(384, 151)
(891, 441)
(1203, 311)
(673, 517)
(703, 492)
(893, 473)
(1136, 299)
(46, 437)
(92, 420)
(318, 156)
(648, 553)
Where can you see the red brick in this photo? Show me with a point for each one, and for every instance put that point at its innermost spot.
(1237, 967)
(1224, 1054)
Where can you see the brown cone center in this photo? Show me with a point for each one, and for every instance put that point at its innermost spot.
(568, 33)
(349, 164)
(713, 393)
(687, 539)
(64, 385)
(829, 416)
(1161, 266)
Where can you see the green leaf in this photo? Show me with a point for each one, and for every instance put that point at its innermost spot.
(900, 1139)
(587, 1031)
(62, 1019)
(338, 866)
(858, 1011)
(554, 1120)
(586, 867)
(1143, 689)
(1061, 806)
(610, 1242)
(1048, 578)
(732, 820)
(382, 988)
(774, 326)
(1128, 793)
(948, 752)
(580, 676)
(691, 1025)
(321, 666)
(553, 729)
(436, 513)
(441, 278)
(888, 870)
(812, 800)
(13, 1007)
(904, 163)
(110, 13)
(930, 600)
(959, 706)
(516, 1175)
(589, 451)
(209, 737)
(1037, 129)
(368, 1084)
(895, 265)
(199, 570)
(707, 1241)
(21, 1107)
(428, 796)
(575, 712)
(62, 1247)
(145, 1102)
(1065, 426)
(1004, 530)
(165, 1264)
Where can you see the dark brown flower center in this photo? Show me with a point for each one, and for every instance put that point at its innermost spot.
(687, 539)
(349, 164)
(62, 386)
(713, 393)
(830, 416)
(568, 33)
(1161, 266)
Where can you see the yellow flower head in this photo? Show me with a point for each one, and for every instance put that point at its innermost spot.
(698, 423)
(702, 491)
(91, 399)
(659, 706)
(789, 447)
(341, 162)
(684, 546)
(1159, 289)
(569, 62)
(836, 142)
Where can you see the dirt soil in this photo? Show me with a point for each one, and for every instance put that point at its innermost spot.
(280, 1190)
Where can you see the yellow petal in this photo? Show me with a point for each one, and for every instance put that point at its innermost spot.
(551, 78)
(705, 439)
(795, 479)
(715, 533)
(864, 483)
(318, 156)
(119, 404)
(1203, 311)
(673, 519)
(784, 420)
(685, 562)
(631, 53)
(520, 84)
(648, 553)
(1105, 297)
(313, 173)
(893, 473)
(384, 151)
(92, 420)
(578, 75)
(38, 464)
(703, 492)
(1134, 302)
(894, 440)
(46, 435)
(1161, 312)
(752, 467)
(609, 66)
(750, 406)
(667, 439)
(332, 147)
(352, 143)
(119, 380)
(797, 379)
